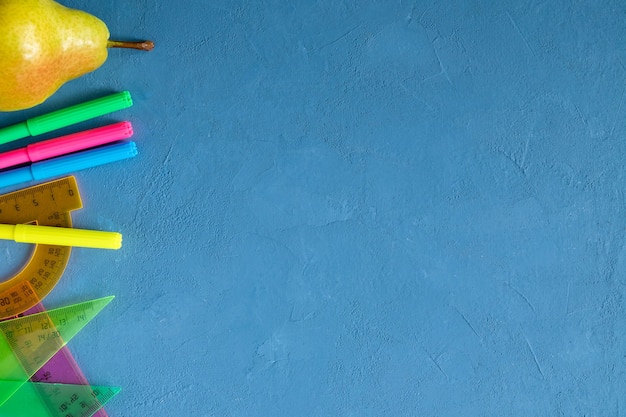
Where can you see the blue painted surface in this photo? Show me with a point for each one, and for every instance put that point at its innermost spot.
(359, 208)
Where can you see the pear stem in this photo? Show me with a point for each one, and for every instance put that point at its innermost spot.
(142, 46)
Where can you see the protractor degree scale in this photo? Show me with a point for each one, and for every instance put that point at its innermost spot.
(48, 204)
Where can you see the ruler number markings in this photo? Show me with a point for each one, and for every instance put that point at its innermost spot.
(47, 204)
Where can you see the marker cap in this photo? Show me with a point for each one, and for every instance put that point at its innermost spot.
(79, 141)
(79, 113)
(83, 160)
(48, 235)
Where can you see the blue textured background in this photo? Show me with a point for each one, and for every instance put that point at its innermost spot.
(359, 208)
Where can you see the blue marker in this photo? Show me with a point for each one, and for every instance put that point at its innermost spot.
(67, 164)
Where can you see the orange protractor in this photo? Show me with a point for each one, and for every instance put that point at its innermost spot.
(48, 204)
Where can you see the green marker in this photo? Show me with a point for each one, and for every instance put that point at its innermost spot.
(66, 117)
(27, 343)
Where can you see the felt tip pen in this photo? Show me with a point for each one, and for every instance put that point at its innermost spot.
(66, 144)
(48, 235)
(66, 117)
(67, 164)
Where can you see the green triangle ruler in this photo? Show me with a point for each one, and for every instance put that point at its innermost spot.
(73, 398)
(27, 343)
(37, 399)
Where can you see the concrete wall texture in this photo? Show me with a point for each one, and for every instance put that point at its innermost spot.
(359, 208)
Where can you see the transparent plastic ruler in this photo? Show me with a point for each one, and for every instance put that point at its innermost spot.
(28, 343)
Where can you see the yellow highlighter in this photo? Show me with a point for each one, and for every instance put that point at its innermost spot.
(62, 236)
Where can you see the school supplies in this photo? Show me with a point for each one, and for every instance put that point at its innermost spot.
(66, 117)
(64, 165)
(27, 343)
(63, 236)
(48, 204)
(64, 145)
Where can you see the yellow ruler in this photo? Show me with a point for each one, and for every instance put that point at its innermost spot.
(48, 204)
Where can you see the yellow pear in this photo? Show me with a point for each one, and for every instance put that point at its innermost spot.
(44, 44)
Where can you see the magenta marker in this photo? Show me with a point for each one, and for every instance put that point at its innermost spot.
(66, 144)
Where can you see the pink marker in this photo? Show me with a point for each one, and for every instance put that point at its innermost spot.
(66, 144)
